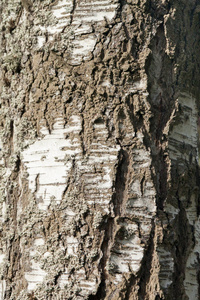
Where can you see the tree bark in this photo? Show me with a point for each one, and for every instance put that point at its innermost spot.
(99, 149)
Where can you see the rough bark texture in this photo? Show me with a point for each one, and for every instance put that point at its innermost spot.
(99, 149)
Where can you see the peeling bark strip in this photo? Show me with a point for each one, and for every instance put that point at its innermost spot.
(99, 149)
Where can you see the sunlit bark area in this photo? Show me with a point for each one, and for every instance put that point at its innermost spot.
(99, 172)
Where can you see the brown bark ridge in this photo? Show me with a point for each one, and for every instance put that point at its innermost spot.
(99, 149)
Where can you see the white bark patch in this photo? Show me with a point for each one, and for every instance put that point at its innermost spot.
(2, 289)
(80, 19)
(83, 48)
(41, 41)
(62, 11)
(138, 86)
(47, 164)
(191, 210)
(49, 161)
(72, 245)
(167, 267)
(63, 279)
(172, 211)
(183, 146)
(36, 275)
(184, 134)
(87, 14)
(39, 242)
(89, 284)
(98, 169)
(128, 251)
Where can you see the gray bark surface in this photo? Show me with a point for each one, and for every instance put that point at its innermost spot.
(99, 122)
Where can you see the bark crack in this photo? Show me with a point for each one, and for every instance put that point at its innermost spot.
(74, 4)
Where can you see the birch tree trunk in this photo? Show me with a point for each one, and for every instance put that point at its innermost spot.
(99, 149)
